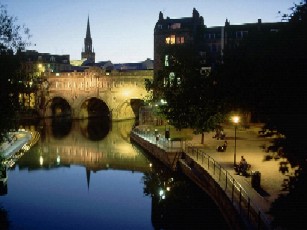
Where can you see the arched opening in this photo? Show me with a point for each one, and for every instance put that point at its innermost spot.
(94, 107)
(136, 104)
(98, 124)
(60, 107)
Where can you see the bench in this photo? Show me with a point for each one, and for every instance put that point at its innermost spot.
(245, 172)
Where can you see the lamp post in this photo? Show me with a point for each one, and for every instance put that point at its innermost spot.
(235, 120)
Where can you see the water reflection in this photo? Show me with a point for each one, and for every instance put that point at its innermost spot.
(91, 143)
(177, 203)
(61, 126)
(99, 180)
(95, 129)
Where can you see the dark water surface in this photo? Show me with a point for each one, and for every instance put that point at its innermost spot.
(87, 175)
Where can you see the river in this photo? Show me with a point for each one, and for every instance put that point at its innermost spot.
(87, 175)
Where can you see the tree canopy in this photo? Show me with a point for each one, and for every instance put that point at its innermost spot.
(188, 93)
(13, 38)
(266, 74)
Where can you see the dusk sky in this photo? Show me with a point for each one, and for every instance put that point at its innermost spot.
(122, 30)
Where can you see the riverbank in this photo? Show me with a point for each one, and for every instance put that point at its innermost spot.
(16, 141)
(273, 170)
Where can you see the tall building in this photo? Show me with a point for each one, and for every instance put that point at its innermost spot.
(176, 32)
(88, 51)
(217, 38)
(211, 42)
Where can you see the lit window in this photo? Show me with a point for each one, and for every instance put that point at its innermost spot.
(170, 39)
(178, 81)
(171, 78)
(179, 40)
(166, 62)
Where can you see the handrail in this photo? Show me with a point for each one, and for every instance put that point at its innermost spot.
(234, 190)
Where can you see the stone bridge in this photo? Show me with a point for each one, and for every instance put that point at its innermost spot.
(94, 92)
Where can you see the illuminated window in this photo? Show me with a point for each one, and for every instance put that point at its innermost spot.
(171, 78)
(166, 62)
(179, 40)
(178, 81)
(175, 26)
(170, 39)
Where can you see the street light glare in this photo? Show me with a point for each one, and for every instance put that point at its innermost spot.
(236, 119)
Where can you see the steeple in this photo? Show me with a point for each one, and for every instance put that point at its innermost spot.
(88, 30)
(88, 52)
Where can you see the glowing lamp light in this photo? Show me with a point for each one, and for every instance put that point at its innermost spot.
(126, 92)
(41, 160)
(236, 119)
(58, 160)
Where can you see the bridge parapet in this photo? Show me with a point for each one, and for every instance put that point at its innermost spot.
(116, 89)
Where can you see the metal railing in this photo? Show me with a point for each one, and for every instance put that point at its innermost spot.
(161, 141)
(233, 189)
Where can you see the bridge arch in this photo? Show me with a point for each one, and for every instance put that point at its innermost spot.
(58, 107)
(90, 93)
(94, 107)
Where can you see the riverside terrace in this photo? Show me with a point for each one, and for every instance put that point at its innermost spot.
(213, 171)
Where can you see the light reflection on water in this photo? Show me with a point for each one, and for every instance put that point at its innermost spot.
(82, 178)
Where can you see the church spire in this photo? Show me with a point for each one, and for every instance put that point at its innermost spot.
(88, 52)
(88, 30)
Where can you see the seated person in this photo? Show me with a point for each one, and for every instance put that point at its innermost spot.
(242, 167)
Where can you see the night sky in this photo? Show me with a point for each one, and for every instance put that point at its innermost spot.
(122, 30)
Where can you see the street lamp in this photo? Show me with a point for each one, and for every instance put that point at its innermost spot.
(235, 120)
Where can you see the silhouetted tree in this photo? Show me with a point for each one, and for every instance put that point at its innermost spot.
(188, 94)
(266, 75)
(13, 38)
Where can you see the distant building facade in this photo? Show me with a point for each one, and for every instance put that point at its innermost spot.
(176, 32)
(34, 61)
(211, 41)
(217, 38)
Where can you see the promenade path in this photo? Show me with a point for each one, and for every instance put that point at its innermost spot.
(249, 145)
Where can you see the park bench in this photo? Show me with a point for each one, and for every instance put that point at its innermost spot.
(246, 172)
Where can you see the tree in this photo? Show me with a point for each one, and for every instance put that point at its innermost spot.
(13, 38)
(266, 75)
(189, 94)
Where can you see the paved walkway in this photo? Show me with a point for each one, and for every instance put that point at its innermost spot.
(249, 145)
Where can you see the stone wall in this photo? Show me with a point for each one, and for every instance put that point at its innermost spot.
(116, 89)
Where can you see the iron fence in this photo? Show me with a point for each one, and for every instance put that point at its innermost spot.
(233, 189)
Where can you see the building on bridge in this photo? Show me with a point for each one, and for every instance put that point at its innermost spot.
(84, 89)
(114, 95)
